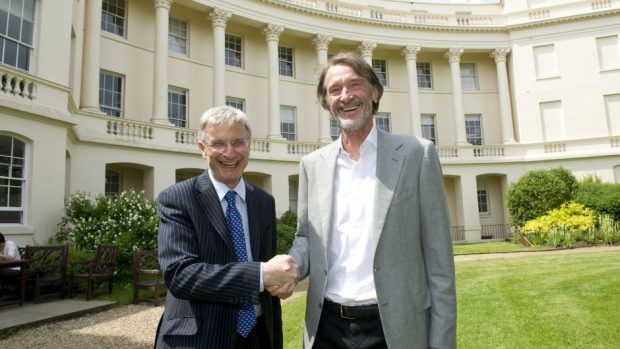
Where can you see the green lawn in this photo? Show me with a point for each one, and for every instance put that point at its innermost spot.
(559, 301)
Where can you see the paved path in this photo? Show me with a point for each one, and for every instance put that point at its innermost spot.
(133, 326)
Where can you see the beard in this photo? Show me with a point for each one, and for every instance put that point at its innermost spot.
(354, 124)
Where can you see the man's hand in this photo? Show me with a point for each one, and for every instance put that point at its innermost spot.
(283, 291)
(279, 271)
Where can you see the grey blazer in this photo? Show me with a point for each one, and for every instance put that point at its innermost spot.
(413, 261)
(205, 284)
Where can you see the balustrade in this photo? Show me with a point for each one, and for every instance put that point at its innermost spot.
(12, 82)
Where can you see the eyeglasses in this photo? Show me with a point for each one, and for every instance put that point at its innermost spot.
(221, 146)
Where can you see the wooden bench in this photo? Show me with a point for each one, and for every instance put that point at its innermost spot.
(101, 268)
(147, 276)
(47, 266)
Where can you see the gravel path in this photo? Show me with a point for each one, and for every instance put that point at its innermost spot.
(133, 326)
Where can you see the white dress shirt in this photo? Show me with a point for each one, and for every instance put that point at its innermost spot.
(221, 189)
(350, 277)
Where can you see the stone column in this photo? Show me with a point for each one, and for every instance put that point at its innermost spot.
(160, 65)
(272, 33)
(411, 55)
(89, 96)
(322, 44)
(219, 18)
(504, 96)
(454, 56)
(366, 49)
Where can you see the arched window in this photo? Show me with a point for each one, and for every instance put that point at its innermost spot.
(12, 180)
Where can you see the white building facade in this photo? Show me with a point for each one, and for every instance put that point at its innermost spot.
(101, 96)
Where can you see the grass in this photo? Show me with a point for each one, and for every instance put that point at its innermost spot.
(557, 301)
(494, 247)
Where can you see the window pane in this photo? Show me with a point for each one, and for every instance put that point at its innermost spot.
(10, 53)
(4, 17)
(424, 75)
(22, 57)
(10, 216)
(177, 35)
(15, 196)
(380, 68)
(27, 32)
(15, 23)
(334, 128)
(110, 95)
(113, 16)
(177, 106)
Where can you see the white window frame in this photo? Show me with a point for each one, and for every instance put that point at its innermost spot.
(474, 138)
(288, 128)
(236, 103)
(382, 121)
(425, 79)
(469, 77)
(286, 61)
(230, 50)
(380, 67)
(118, 21)
(12, 161)
(429, 127)
(21, 41)
(179, 120)
(104, 93)
(178, 34)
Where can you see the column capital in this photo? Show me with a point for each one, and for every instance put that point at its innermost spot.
(454, 54)
(219, 17)
(411, 52)
(500, 54)
(272, 31)
(321, 41)
(163, 3)
(366, 48)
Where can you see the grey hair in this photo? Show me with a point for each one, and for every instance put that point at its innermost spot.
(226, 116)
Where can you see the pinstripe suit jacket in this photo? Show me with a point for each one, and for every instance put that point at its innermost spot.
(206, 286)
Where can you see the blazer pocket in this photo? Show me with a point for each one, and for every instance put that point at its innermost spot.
(184, 326)
(422, 300)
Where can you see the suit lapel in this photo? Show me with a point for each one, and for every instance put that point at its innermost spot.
(390, 160)
(251, 203)
(207, 197)
(325, 171)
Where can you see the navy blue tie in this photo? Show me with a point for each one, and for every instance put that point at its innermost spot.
(246, 317)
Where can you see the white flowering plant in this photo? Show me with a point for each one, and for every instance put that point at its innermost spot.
(128, 220)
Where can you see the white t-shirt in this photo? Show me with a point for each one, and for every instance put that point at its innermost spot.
(10, 249)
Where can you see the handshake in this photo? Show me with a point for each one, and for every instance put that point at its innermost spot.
(280, 275)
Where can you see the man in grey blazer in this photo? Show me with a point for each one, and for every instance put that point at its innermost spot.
(217, 234)
(374, 232)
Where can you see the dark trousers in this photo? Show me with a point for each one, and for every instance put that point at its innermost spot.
(257, 338)
(335, 332)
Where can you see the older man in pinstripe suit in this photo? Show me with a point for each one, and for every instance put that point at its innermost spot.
(216, 280)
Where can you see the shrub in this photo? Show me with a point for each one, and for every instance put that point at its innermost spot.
(537, 192)
(128, 220)
(561, 226)
(287, 227)
(601, 197)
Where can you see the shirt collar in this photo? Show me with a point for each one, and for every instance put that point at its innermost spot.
(221, 189)
(371, 140)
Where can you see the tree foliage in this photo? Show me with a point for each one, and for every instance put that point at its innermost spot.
(537, 192)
